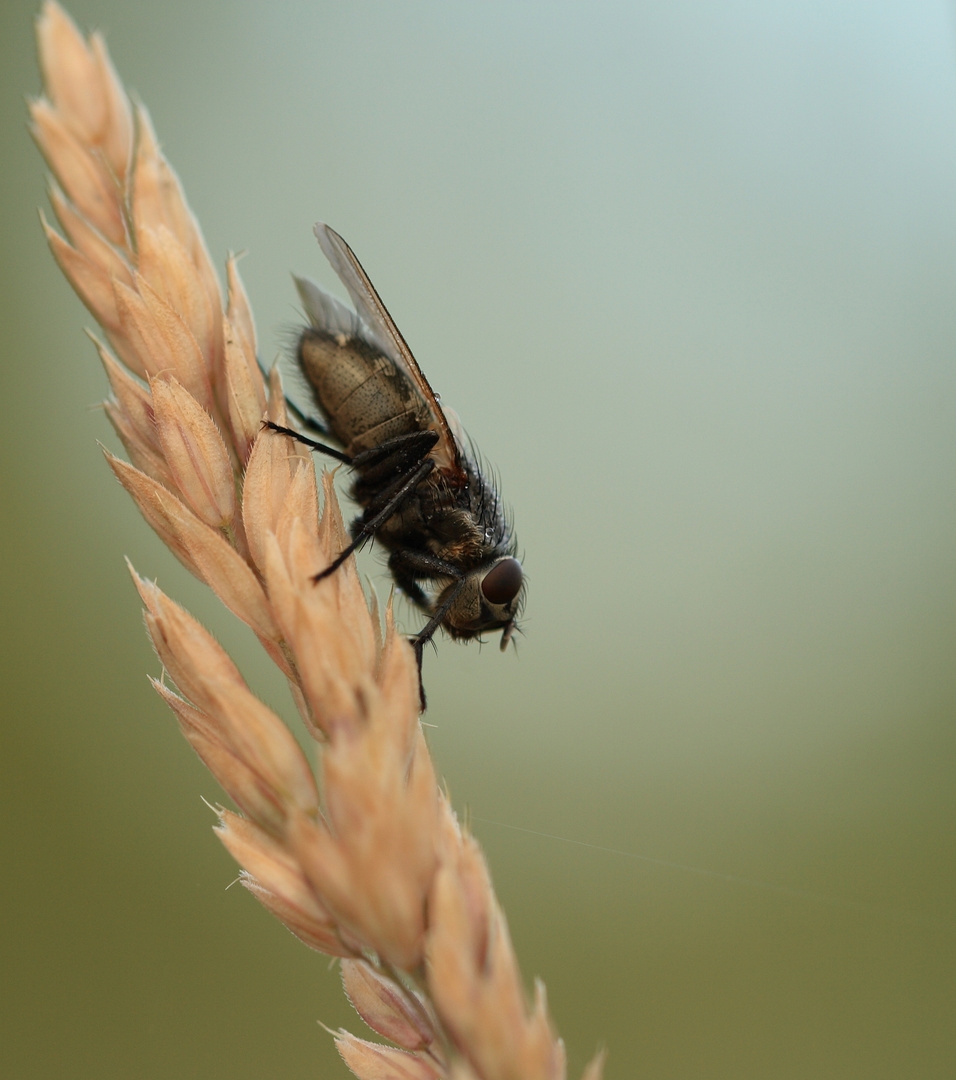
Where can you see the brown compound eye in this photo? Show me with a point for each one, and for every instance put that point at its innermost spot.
(502, 582)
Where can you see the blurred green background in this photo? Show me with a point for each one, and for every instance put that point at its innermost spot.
(687, 271)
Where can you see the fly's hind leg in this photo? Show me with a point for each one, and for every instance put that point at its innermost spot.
(384, 467)
(310, 443)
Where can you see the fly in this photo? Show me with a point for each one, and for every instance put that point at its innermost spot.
(416, 477)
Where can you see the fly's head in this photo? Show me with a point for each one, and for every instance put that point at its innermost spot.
(488, 598)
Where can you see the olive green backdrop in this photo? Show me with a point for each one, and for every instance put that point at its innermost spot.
(687, 271)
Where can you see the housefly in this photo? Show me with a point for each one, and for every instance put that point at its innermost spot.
(416, 476)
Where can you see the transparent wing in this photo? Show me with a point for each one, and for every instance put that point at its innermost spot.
(325, 312)
(384, 333)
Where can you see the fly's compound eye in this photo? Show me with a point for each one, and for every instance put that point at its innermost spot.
(502, 583)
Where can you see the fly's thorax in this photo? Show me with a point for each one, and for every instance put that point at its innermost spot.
(488, 598)
(362, 394)
(454, 532)
(477, 532)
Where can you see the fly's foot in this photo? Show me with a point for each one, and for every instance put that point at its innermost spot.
(418, 647)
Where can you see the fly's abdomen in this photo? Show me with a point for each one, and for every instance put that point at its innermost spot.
(360, 392)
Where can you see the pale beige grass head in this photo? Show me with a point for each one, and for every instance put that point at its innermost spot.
(363, 858)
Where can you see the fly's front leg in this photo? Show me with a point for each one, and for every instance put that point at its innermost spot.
(408, 584)
(409, 567)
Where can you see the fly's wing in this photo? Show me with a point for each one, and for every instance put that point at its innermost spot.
(327, 313)
(383, 331)
(324, 313)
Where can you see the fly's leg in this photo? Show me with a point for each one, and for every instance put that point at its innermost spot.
(407, 583)
(370, 526)
(306, 420)
(404, 457)
(405, 462)
(384, 468)
(408, 567)
(401, 464)
(309, 421)
(310, 443)
(422, 638)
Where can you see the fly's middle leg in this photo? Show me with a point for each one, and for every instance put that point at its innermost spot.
(370, 525)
